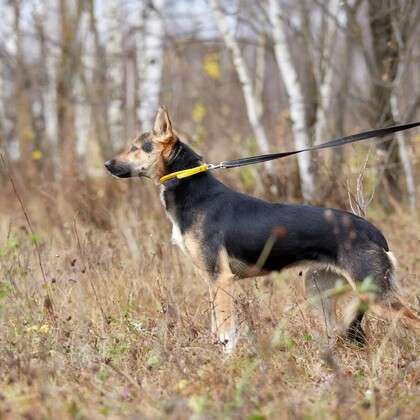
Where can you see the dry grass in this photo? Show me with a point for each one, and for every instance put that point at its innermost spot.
(128, 332)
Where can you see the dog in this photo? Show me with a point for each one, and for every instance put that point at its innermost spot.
(224, 233)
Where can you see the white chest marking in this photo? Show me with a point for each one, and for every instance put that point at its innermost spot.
(176, 238)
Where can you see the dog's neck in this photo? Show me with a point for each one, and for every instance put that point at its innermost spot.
(181, 197)
(181, 157)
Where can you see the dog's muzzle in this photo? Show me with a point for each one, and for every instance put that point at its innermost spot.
(118, 169)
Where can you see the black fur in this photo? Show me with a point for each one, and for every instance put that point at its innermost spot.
(355, 331)
(243, 224)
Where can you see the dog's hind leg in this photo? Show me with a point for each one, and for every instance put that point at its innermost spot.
(319, 281)
(368, 261)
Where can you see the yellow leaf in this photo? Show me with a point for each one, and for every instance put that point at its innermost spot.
(44, 329)
(198, 112)
(211, 66)
(37, 155)
(32, 328)
(182, 384)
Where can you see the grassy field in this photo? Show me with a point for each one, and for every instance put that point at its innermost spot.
(124, 332)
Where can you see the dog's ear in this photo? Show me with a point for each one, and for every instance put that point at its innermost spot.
(162, 129)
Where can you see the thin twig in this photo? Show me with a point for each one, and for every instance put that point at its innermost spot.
(87, 263)
(48, 303)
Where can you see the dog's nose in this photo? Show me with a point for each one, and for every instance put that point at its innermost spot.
(109, 163)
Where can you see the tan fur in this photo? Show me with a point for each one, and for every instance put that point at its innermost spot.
(193, 246)
(222, 298)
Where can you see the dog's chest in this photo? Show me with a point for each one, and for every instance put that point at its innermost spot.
(176, 238)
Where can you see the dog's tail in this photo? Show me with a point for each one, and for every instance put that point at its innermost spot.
(393, 307)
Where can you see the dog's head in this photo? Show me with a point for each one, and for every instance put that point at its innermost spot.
(147, 153)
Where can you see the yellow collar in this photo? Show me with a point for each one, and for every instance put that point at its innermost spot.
(185, 173)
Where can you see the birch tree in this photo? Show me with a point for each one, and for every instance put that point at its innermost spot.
(296, 99)
(341, 96)
(404, 155)
(403, 149)
(150, 60)
(91, 119)
(24, 117)
(251, 100)
(70, 14)
(7, 60)
(45, 17)
(130, 48)
(96, 86)
(327, 69)
(2, 111)
(112, 21)
(385, 54)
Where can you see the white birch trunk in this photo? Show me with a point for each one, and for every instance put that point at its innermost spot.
(50, 17)
(10, 45)
(245, 79)
(130, 92)
(296, 99)
(132, 47)
(82, 109)
(150, 62)
(2, 111)
(327, 72)
(404, 155)
(112, 21)
(259, 76)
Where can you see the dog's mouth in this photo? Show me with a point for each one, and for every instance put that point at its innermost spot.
(119, 170)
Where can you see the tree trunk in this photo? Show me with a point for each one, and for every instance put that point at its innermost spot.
(296, 100)
(245, 79)
(112, 23)
(2, 111)
(66, 76)
(24, 118)
(404, 156)
(386, 57)
(150, 61)
(94, 77)
(327, 69)
(131, 48)
(342, 96)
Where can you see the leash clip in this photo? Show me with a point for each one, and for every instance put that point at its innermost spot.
(211, 166)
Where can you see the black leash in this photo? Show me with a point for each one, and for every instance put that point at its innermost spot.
(341, 141)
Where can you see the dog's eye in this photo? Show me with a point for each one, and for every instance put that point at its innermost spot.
(147, 146)
(133, 148)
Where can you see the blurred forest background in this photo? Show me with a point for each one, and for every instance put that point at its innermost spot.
(78, 78)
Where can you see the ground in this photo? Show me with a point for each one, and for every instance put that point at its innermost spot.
(118, 327)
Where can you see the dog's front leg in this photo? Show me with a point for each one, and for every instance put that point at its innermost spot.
(223, 313)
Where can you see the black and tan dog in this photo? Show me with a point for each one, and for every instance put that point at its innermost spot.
(224, 232)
